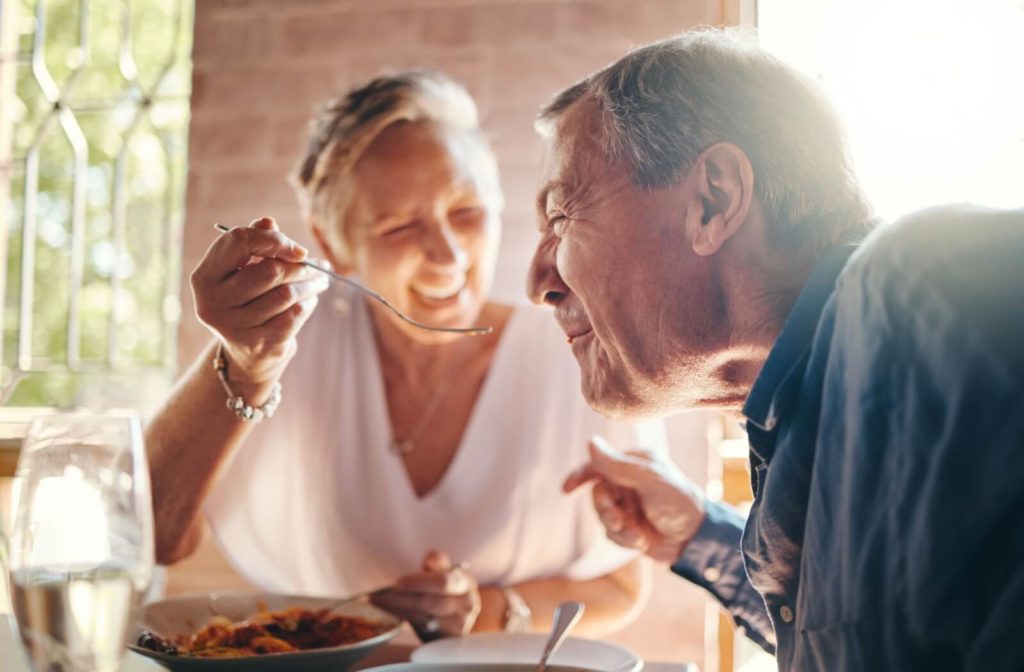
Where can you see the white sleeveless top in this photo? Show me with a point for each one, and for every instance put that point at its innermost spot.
(315, 502)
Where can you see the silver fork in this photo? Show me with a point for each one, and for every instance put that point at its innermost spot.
(469, 331)
(213, 603)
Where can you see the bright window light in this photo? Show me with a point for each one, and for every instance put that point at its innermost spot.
(931, 92)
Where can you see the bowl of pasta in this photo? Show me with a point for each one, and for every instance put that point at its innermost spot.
(260, 632)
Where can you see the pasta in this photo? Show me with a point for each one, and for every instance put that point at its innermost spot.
(289, 630)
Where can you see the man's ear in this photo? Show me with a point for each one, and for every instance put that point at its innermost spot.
(338, 258)
(724, 189)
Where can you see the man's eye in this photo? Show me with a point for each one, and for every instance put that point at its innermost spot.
(558, 224)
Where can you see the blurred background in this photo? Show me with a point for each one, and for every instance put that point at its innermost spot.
(128, 127)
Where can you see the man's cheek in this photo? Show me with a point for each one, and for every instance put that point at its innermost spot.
(581, 274)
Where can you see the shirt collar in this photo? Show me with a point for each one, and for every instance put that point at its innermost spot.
(773, 391)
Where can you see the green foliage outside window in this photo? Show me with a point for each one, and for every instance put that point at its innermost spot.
(123, 71)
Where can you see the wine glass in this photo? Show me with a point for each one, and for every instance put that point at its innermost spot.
(81, 547)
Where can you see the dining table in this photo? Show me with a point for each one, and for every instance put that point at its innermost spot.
(399, 649)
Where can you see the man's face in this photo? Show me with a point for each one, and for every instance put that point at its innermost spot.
(615, 261)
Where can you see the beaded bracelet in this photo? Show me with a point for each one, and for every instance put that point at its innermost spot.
(235, 402)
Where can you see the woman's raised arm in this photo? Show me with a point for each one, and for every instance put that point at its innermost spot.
(254, 296)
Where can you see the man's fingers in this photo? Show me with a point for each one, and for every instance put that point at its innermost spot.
(643, 454)
(630, 536)
(606, 462)
(608, 510)
(616, 466)
(580, 477)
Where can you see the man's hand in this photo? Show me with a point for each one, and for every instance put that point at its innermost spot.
(439, 601)
(642, 499)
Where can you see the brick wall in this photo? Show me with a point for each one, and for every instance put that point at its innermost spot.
(260, 66)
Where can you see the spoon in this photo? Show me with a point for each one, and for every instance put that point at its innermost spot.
(567, 614)
(470, 331)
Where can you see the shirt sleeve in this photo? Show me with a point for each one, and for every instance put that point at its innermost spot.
(996, 645)
(962, 503)
(713, 561)
(964, 567)
(958, 440)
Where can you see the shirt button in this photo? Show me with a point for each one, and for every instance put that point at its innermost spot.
(712, 574)
(770, 423)
(786, 614)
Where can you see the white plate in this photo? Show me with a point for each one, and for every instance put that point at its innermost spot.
(184, 615)
(500, 647)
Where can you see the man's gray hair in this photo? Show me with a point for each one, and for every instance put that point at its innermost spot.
(666, 102)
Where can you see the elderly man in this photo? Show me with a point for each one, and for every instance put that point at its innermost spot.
(704, 243)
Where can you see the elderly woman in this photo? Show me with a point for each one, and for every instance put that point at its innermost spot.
(389, 440)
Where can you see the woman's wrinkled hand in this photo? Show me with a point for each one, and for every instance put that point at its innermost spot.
(643, 500)
(440, 601)
(253, 293)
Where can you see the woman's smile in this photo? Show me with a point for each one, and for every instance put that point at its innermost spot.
(440, 291)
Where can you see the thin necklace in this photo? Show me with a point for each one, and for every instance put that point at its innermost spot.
(406, 445)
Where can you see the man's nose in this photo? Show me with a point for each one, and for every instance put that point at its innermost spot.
(543, 283)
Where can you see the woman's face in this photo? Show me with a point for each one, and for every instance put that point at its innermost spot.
(423, 225)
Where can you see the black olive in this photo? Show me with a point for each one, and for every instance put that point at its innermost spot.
(147, 640)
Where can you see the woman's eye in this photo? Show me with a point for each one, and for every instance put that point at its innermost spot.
(398, 229)
(468, 214)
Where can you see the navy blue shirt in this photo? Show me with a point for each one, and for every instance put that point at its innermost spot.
(887, 455)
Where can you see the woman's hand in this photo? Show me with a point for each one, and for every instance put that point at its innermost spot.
(642, 498)
(251, 292)
(441, 600)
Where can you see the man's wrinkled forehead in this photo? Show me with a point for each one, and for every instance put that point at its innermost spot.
(575, 152)
(580, 132)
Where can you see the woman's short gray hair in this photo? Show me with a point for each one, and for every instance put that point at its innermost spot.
(343, 130)
(666, 102)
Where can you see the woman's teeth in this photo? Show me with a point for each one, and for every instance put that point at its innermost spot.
(440, 292)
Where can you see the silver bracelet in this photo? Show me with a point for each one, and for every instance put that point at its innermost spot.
(235, 402)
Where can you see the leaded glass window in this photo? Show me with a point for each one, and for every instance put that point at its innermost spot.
(93, 149)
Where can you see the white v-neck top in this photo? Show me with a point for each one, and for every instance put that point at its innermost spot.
(315, 501)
